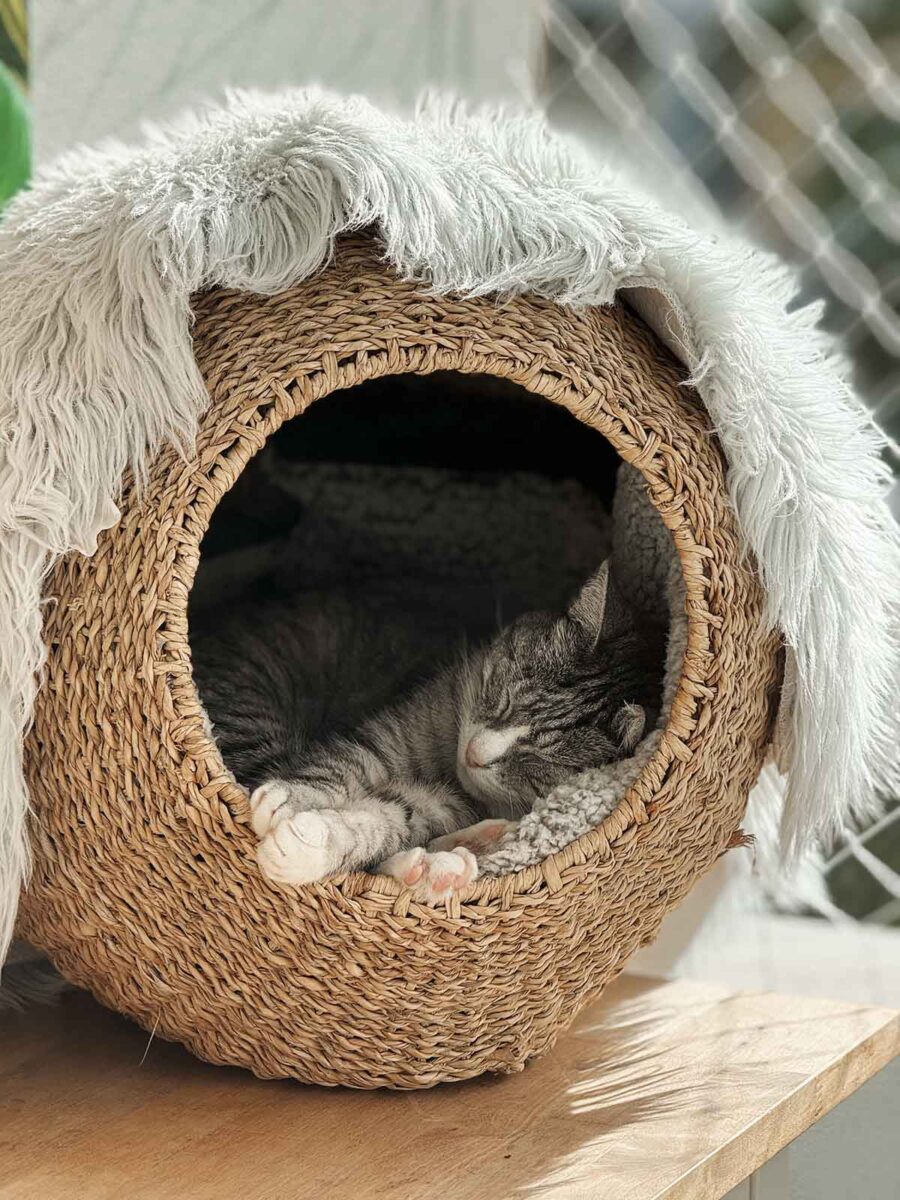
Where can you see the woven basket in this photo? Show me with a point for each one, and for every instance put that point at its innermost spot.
(145, 888)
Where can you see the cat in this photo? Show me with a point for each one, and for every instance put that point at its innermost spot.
(355, 758)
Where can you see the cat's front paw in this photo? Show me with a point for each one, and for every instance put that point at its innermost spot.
(301, 848)
(276, 799)
(269, 803)
(432, 876)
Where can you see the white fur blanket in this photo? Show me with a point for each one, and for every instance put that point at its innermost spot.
(99, 259)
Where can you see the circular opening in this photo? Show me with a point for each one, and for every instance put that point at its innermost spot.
(434, 510)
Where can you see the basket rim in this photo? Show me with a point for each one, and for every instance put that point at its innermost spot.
(292, 395)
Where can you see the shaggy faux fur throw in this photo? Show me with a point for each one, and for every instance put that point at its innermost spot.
(99, 259)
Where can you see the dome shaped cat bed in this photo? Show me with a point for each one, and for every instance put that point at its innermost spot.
(145, 886)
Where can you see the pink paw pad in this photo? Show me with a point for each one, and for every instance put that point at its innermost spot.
(432, 877)
(413, 875)
(443, 883)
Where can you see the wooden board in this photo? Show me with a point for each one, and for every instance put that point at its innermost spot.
(662, 1090)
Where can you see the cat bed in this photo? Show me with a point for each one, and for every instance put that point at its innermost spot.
(492, 250)
(349, 980)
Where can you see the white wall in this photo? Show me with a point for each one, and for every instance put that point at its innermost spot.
(101, 67)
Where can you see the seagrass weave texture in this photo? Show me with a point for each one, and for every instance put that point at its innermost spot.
(145, 887)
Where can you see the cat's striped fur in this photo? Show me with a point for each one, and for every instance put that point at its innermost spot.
(352, 765)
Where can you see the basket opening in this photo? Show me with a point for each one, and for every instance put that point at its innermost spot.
(456, 501)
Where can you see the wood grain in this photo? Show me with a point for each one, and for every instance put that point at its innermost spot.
(661, 1090)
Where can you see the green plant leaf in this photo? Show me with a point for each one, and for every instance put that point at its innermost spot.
(15, 150)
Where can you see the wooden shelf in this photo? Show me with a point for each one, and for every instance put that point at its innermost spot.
(661, 1090)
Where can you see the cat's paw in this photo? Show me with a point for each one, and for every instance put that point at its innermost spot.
(478, 838)
(269, 804)
(301, 848)
(275, 800)
(432, 876)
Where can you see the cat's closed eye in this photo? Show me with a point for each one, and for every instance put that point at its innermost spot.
(501, 710)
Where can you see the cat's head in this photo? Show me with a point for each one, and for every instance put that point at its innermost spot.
(551, 696)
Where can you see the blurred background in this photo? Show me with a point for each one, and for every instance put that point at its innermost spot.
(775, 118)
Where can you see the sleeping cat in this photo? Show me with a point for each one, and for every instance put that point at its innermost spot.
(344, 775)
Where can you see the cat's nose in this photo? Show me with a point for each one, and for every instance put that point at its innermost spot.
(489, 745)
(473, 750)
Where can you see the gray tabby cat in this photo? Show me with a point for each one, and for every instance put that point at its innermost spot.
(345, 776)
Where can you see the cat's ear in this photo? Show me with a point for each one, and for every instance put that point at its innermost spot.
(629, 724)
(598, 608)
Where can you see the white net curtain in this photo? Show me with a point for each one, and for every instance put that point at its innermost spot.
(782, 118)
